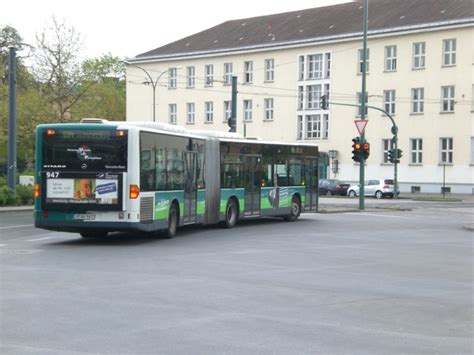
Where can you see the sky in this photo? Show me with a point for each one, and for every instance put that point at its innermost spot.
(128, 28)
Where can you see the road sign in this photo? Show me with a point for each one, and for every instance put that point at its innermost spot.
(360, 124)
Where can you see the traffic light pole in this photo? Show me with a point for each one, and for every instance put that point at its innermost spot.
(363, 107)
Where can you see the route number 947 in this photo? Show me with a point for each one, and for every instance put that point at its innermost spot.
(52, 174)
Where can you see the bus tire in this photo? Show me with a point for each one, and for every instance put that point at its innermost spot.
(295, 209)
(173, 221)
(231, 214)
(94, 235)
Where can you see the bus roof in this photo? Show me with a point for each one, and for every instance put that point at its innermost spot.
(174, 130)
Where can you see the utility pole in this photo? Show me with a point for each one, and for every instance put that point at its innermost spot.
(11, 173)
(363, 106)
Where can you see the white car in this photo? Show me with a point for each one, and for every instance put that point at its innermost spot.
(378, 188)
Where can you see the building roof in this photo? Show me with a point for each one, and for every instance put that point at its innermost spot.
(317, 24)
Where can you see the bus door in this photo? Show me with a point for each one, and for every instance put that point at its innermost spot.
(311, 184)
(190, 190)
(252, 177)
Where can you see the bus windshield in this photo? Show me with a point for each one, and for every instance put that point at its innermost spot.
(84, 150)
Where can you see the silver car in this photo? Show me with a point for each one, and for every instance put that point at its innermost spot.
(378, 188)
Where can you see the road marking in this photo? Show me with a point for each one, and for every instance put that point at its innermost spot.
(18, 226)
(38, 239)
(2, 245)
(375, 215)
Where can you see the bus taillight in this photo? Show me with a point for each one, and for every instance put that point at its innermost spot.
(37, 191)
(134, 192)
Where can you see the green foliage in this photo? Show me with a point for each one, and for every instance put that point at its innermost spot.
(7, 196)
(60, 89)
(24, 195)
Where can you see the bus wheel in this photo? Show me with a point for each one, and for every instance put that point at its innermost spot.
(172, 222)
(295, 210)
(94, 235)
(231, 214)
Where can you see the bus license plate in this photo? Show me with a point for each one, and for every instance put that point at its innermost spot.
(84, 216)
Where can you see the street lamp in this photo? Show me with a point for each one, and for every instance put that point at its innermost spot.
(154, 83)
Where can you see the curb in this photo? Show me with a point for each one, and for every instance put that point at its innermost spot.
(16, 209)
(377, 209)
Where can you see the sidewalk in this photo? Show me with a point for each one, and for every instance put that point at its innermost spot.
(16, 208)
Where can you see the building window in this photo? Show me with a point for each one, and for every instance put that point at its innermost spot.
(313, 127)
(327, 65)
(449, 52)
(228, 73)
(190, 77)
(386, 147)
(247, 110)
(416, 151)
(268, 109)
(301, 75)
(313, 93)
(227, 110)
(389, 101)
(359, 101)
(172, 78)
(300, 128)
(190, 112)
(325, 126)
(447, 99)
(390, 58)
(300, 97)
(209, 114)
(209, 70)
(446, 151)
(172, 113)
(419, 49)
(361, 61)
(418, 100)
(248, 72)
(269, 70)
(315, 66)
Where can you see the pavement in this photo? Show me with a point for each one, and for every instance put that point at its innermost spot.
(344, 205)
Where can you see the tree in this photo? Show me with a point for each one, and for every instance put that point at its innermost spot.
(105, 98)
(58, 68)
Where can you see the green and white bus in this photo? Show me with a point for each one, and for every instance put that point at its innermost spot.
(97, 177)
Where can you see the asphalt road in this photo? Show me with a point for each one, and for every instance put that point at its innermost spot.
(384, 282)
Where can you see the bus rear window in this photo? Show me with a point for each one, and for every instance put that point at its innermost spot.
(84, 149)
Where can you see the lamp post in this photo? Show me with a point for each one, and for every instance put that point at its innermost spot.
(154, 83)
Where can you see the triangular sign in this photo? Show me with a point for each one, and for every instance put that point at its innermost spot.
(360, 124)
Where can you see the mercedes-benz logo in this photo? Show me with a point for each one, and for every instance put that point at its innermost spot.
(84, 166)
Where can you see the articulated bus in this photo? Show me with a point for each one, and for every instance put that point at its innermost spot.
(100, 176)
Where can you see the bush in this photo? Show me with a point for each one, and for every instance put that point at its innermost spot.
(24, 195)
(7, 196)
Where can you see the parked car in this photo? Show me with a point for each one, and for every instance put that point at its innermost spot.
(332, 187)
(378, 188)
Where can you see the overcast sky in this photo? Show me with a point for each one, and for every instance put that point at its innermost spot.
(128, 28)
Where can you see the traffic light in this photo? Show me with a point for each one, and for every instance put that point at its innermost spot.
(356, 147)
(399, 154)
(324, 102)
(394, 155)
(365, 150)
(391, 155)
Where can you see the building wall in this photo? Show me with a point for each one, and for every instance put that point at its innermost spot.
(344, 82)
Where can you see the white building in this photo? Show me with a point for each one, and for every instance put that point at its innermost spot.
(420, 69)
